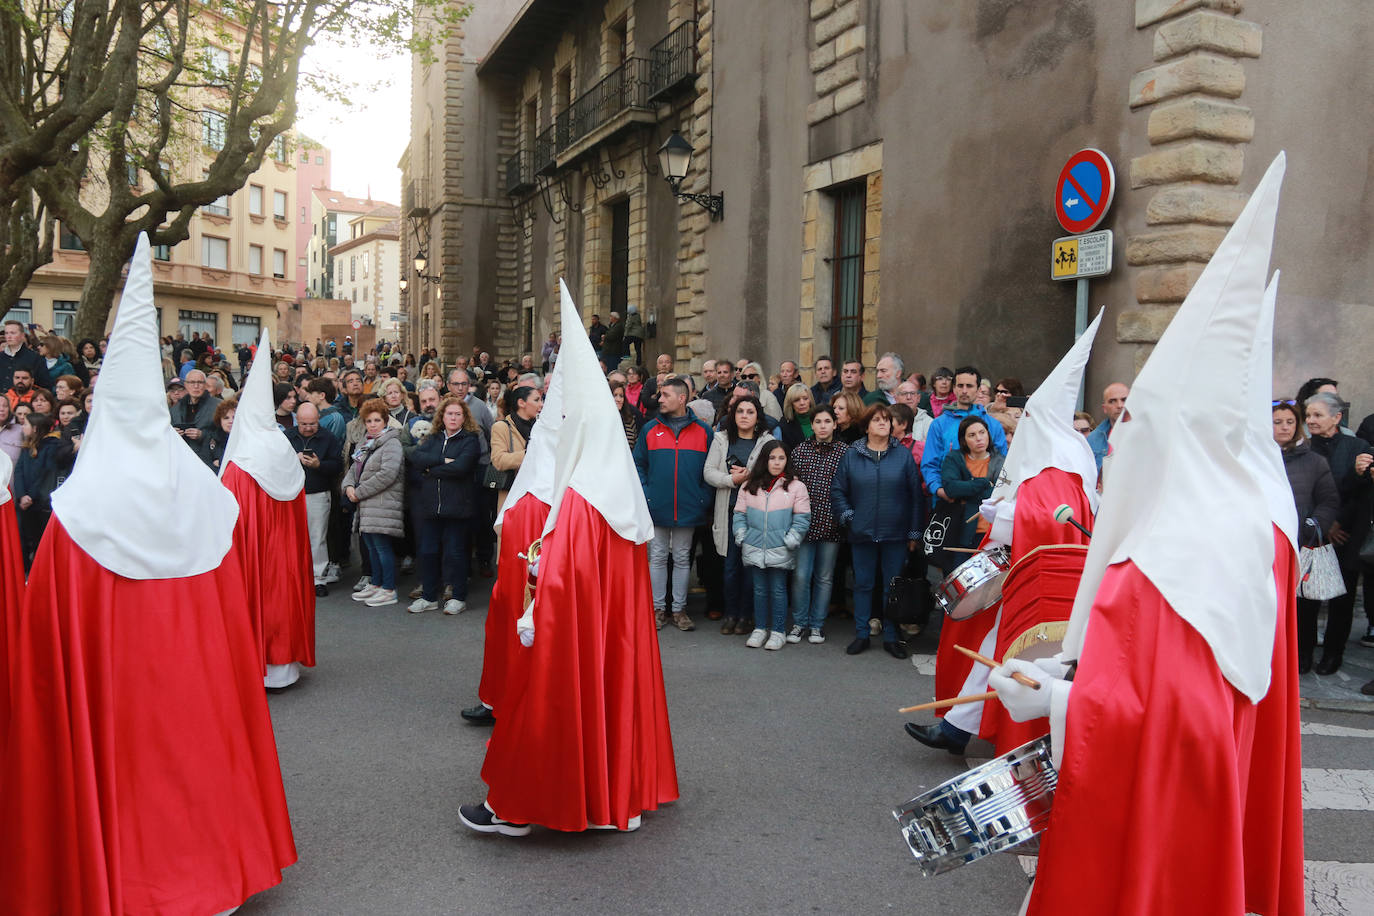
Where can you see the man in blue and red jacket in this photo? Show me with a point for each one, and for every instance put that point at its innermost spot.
(670, 457)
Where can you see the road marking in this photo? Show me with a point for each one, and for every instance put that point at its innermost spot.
(1337, 790)
(924, 664)
(1339, 888)
(1336, 731)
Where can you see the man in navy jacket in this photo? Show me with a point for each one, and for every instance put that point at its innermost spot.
(671, 457)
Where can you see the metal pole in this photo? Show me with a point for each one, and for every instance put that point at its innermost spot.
(1080, 320)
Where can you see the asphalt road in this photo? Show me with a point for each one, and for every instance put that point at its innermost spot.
(789, 763)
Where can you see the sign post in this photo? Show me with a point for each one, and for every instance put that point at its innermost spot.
(1082, 196)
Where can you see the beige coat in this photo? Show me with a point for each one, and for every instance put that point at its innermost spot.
(718, 476)
(507, 446)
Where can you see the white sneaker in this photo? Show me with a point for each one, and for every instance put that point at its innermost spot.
(362, 583)
(381, 597)
(454, 606)
(756, 638)
(420, 605)
(364, 593)
(331, 574)
(775, 641)
(795, 634)
(816, 636)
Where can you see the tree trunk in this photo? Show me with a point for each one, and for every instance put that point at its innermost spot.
(108, 254)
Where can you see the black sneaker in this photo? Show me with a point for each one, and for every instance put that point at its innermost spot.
(480, 818)
(321, 590)
(1367, 639)
(479, 715)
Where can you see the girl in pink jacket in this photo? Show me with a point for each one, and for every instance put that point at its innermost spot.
(772, 515)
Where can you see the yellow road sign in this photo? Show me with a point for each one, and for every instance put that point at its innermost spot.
(1064, 259)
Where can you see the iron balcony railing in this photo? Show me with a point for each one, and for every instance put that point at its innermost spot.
(415, 199)
(519, 174)
(625, 87)
(545, 151)
(673, 60)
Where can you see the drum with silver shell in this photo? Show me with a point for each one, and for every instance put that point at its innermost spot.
(991, 808)
(974, 585)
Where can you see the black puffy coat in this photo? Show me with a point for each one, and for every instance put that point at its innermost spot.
(1314, 491)
(444, 488)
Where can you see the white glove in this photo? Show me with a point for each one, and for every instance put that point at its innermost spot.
(988, 509)
(1054, 666)
(1001, 522)
(1022, 703)
(524, 627)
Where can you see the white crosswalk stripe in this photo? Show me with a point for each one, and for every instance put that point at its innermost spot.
(1337, 790)
(1336, 731)
(1340, 888)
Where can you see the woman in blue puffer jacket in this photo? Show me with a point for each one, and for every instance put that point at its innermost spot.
(876, 494)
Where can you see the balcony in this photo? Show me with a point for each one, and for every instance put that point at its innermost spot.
(415, 199)
(545, 152)
(519, 174)
(673, 61)
(619, 100)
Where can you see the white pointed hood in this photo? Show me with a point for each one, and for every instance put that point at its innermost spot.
(1262, 452)
(256, 445)
(140, 502)
(1045, 437)
(6, 475)
(593, 457)
(536, 471)
(1183, 500)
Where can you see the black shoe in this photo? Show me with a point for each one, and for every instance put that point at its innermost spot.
(933, 736)
(857, 646)
(896, 649)
(479, 715)
(1368, 689)
(1328, 665)
(321, 590)
(480, 818)
(1367, 640)
(1304, 665)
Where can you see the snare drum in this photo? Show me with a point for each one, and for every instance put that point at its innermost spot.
(991, 808)
(974, 585)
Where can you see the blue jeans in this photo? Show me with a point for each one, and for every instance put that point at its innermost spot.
(813, 581)
(446, 537)
(770, 599)
(739, 594)
(381, 558)
(874, 565)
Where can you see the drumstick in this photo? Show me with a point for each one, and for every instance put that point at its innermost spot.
(1016, 676)
(963, 550)
(957, 701)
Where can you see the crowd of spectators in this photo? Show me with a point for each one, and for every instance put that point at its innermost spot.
(794, 501)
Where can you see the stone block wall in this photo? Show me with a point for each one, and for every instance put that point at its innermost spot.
(1198, 132)
(839, 39)
(689, 342)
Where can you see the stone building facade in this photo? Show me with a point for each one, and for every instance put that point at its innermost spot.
(888, 170)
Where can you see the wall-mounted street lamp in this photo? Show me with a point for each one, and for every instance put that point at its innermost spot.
(674, 158)
(421, 262)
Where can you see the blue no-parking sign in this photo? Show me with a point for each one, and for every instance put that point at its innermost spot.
(1084, 190)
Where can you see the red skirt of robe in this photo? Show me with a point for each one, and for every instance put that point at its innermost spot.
(1166, 800)
(520, 527)
(273, 539)
(582, 738)
(141, 774)
(11, 598)
(1034, 526)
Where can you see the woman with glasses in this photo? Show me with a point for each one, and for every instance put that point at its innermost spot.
(753, 372)
(941, 394)
(1349, 458)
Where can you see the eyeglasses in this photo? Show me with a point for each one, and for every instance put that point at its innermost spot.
(1289, 403)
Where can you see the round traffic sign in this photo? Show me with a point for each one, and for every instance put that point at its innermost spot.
(1084, 190)
(357, 324)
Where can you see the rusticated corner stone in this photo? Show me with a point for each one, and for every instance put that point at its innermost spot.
(1196, 72)
(1145, 324)
(1204, 30)
(1171, 246)
(1198, 117)
(1166, 284)
(823, 56)
(1215, 163)
(1197, 204)
(1148, 12)
(820, 109)
(845, 17)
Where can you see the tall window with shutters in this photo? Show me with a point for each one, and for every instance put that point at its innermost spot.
(847, 274)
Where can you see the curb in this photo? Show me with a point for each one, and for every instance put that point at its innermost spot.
(1362, 706)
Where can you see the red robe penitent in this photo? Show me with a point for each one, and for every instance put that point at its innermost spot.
(521, 525)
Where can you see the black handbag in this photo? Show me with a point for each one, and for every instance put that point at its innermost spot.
(493, 479)
(909, 601)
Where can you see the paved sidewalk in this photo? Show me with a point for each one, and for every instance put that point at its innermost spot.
(1341, 691)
